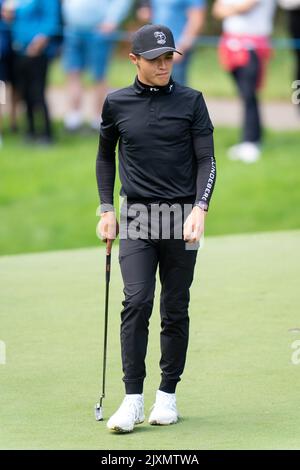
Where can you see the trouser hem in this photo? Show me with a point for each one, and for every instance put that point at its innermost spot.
(168, 386)
(134, 387)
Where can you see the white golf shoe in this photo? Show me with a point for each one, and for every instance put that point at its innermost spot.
(247, 152)
(130, 413)
(164, 410)
(73, 121)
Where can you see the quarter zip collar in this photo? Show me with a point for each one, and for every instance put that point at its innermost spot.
(140, 87)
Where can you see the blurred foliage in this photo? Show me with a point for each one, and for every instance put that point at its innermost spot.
(48, 197)
(212, 26)
(204, 74)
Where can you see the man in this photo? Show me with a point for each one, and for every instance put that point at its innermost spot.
(185, 18)
(6, 72)
(34, 24)
(166, 159)
(89, 39)
(292, 8)
(244, 52)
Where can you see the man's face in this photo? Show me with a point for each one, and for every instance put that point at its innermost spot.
(156, 71)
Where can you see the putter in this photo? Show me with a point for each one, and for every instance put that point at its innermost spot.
(98, 406)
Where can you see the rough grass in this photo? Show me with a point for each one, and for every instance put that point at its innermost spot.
(48, 198)
(204, 74)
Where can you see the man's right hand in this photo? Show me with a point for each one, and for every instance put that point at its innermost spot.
(107, 28)
(37, 45)
(108, 227)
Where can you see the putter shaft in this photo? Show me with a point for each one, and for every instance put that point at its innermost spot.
(98, 407)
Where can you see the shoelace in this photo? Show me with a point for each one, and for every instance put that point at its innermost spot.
(133, 406)
(165, 402)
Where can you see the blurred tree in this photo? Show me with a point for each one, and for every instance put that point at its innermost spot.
(213, 27)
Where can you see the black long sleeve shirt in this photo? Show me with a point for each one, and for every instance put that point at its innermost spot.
(166, 149)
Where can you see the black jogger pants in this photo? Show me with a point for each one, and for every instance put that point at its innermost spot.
(139, 259)
(246, 79)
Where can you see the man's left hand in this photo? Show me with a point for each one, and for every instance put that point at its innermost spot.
(194, 225)
(107, 28)
(37, 45)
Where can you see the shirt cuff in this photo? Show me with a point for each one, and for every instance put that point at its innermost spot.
(106, 208)
(203, 205)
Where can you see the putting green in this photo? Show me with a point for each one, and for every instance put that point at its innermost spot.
(240, 389)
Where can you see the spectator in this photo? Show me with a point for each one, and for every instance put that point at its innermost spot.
(6, 71)
(244, 52)
(185, 18)
(34, 23)
(293, 9)
(89, 37)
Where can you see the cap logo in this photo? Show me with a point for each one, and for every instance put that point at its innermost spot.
(161, 37)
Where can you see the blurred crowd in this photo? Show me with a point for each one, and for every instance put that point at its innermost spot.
(84, 34)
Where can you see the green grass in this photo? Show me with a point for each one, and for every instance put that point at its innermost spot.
(240, 389)
(205, 74)
(48, 198)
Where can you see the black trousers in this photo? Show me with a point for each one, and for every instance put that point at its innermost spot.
(31, 77)
(246, 79)
(139, 260)
(294, 26)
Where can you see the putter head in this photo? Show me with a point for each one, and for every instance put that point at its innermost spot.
(98, 412)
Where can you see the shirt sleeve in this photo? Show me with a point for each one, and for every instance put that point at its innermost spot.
(196, 3)
(203, 144)
(117, 11)
(49, 14)
(106, 159)
(25, 8)
(50, 24)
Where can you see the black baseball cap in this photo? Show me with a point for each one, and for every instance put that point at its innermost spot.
(153, 40)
